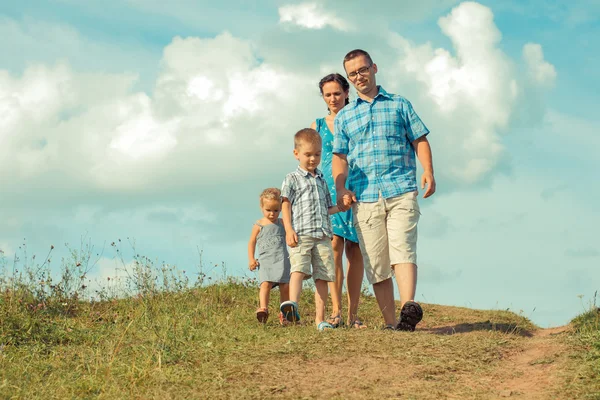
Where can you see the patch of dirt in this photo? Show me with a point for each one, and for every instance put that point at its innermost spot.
(533, 373)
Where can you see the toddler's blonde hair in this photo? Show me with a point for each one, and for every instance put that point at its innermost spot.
(270, 194)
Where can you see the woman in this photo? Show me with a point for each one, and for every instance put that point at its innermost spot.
(334, 90)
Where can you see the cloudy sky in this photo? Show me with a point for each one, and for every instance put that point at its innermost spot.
(159, 124)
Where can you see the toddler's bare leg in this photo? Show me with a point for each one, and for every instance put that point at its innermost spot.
(263, 296)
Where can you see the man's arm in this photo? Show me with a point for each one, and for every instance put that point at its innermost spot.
(339, 169)
(423, 151)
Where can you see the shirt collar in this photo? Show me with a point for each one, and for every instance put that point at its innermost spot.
(304, 172)
(382, 92)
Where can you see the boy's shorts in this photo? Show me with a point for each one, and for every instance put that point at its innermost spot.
(387, 232)
(315, 252)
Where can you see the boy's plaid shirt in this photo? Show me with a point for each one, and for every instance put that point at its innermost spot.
(377, 139)
(310, 200)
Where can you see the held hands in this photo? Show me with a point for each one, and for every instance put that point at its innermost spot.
(345, 200)
(291, 238)
(428, 179)
(253, 265)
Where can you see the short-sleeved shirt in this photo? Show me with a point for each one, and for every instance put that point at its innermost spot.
(377, 138)
(310, 200)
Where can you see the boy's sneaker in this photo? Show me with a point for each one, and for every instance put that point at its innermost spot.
(410, 315)
(290, 311)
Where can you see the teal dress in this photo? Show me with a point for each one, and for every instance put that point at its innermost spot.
(341, 222)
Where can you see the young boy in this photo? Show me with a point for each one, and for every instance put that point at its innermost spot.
(306, 208)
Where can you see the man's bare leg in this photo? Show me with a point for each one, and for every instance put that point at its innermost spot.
(384, 293)
(406, 279)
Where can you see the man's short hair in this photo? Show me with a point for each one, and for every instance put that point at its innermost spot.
(307, 135)
(356, 53)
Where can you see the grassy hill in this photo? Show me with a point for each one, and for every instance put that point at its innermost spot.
(205, 343)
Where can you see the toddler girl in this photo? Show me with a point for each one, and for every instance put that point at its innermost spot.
(273, 262)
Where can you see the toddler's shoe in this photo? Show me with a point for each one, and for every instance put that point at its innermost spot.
(290, 311)
(262, 315)
(410, 315)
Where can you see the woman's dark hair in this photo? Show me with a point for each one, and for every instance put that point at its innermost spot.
(335, 78)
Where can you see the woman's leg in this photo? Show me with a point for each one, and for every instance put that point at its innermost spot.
(355, 277)
(335, 287)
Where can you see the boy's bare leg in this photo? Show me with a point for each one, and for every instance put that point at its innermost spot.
(296, 279)
(355, 274)
(384, 293)
(320, 300)
(263, 295)
(406, 279)
(284, 292)
(335, 287)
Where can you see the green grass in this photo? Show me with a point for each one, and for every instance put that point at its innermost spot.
(205, 342)
(585, 357)
(172, 339)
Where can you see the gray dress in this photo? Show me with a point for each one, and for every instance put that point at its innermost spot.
(272, 254)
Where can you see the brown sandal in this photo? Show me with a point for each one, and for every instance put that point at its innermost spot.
(262, 315)
(357, 324)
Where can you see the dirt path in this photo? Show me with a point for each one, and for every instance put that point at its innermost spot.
(534, 372)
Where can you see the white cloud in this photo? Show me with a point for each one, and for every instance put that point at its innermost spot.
(541, 71)
(211, 102)
(468, 99)
(311, 16)
(217, 99)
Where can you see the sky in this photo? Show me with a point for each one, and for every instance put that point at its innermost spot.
(160, 123)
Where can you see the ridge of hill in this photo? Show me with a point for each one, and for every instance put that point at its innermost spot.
(206, 343)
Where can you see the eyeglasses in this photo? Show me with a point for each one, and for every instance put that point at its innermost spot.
(361, 71)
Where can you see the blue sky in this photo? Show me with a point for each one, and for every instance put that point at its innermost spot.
(162, 124)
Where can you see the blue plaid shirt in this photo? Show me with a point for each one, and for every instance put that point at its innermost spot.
(310, 200)
(377, 137)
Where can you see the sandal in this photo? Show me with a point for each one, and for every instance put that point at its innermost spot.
(262, 315)
(324, 325)
(357, 324)
(335, 321)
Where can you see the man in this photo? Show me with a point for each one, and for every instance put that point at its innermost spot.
(376, 138)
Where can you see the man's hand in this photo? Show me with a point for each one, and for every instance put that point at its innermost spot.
(253, 265)
(428, 179)
(345, 198)
(291, 238)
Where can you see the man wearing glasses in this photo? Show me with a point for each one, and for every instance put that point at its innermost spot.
(375, 141)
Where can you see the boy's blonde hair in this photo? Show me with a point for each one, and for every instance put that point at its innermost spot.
(270, 194)
(307, 135)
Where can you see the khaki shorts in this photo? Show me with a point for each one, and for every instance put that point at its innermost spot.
(315, 252)
(387, 233)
